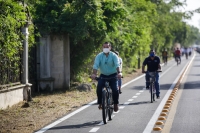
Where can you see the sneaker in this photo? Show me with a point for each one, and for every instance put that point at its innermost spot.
(100, 106)
(158, 97)
(115, 107)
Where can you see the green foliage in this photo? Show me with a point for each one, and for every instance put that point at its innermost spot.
(132, 26)
(12, 19)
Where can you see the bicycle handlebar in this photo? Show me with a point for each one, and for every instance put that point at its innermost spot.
(153, 71)
(97, 78)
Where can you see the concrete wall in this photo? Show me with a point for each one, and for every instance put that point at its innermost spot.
(54, 61)
(57, 61)
(11, 96)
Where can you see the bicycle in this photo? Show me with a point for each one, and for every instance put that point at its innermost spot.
(107, 100)
(165, 60)
(177, 60)
(152, 88)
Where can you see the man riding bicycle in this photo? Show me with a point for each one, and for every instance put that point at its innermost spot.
(153, 64)
(108, 63)
(177, 54)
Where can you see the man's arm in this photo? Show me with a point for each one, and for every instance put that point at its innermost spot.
(159, 66)
(94, 74)
(118, 70)
(95, 67)
(119, 73)
(143, 66)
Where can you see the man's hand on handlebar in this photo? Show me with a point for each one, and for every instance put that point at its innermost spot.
(93, 76)
(159, 70)
(144, 71)
(119, 75)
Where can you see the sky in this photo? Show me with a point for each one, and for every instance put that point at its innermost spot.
(192, 5)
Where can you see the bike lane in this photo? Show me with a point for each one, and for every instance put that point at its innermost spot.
(184, 114)
(135, 109)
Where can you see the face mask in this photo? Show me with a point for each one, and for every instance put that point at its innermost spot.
(106, 50)
(152, 54)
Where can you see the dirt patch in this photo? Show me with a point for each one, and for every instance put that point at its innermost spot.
(45, 108)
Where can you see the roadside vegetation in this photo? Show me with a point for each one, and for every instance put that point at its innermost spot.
(133, 27)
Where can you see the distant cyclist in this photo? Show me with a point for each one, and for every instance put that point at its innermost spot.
(177, 53)
(164, 56)
(153, 64)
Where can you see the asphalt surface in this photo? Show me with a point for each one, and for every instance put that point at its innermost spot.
(136, 113)
(187, 118)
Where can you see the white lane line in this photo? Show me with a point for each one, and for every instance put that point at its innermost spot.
(130, 100)
(137, 94)
(141, 91)
(132, 81)
(121, 107)
(126, 103)
(135, 79)
(166, 70)
(94, 129)
(117, 112)
(154, 118)
(65, 117)
(134, 96)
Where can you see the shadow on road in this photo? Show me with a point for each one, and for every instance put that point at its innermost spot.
(162, 87)
(139, 103)
(196, 66)
(84, 125)
(192, 85)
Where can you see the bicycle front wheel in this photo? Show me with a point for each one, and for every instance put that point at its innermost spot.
(152, 92)
(104, 106)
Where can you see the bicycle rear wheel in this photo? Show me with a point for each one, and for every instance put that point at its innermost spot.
(104, 106)
(110, 110)
(178, 61)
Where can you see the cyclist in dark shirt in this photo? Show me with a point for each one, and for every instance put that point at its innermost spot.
(153, 64)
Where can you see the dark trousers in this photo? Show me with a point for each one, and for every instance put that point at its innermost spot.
(113, 84)
(165, 58)
(157, 86)
(178, 57)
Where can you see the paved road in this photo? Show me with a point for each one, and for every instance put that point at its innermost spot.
(136, 114)
(186, 119)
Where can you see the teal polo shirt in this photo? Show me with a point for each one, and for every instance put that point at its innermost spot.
(107, 65)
